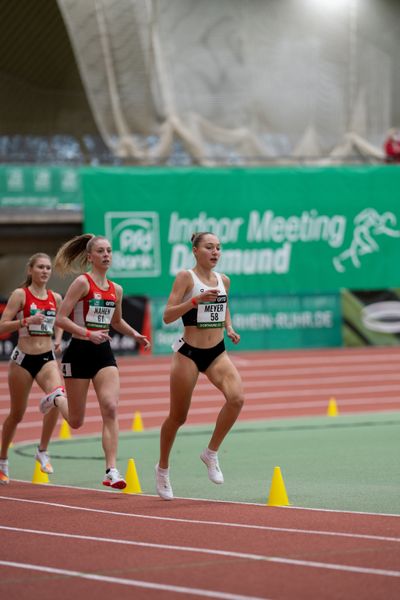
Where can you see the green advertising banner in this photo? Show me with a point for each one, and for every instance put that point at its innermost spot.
(42, 186)
(267, 322)
(283, 230)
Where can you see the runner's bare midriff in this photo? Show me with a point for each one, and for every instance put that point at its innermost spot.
(35, 344)
(202, 338)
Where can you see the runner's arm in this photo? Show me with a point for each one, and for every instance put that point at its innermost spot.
(8, 322)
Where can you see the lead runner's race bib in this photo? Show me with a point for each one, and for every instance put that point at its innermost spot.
(100, 313)
(212, 314)
(46, 327)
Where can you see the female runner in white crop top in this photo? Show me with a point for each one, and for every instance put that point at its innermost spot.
(199, 296)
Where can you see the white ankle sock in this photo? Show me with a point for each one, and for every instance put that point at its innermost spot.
(211, 453)
(163, 471)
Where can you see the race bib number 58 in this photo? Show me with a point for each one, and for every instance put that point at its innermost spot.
(212, 314)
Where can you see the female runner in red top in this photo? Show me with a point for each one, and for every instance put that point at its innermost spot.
(31, 310)
(92, 303)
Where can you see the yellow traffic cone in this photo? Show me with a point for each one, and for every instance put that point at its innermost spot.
(332, 408)
(277, 492)
(65, 432)
(132, 479)
(38, 476)
(137, 423)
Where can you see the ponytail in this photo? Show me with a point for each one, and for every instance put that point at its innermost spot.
(72, 256)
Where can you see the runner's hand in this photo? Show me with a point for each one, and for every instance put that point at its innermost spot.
(143, 341)
(35, 319)
(208, 296)
(232, 335)
(99, 337)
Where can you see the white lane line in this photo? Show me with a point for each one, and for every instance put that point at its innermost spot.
(248, 374)
(340, 355)
(290, 508)
(212, 394)
(217, 397)
(130, 582)
(287, 384)
(287, 359)
(239, 555)
(247, 409)
(346, 358)
(345, 361)
(335, 567)
(272, 376)
(213, 523)
(90, 538)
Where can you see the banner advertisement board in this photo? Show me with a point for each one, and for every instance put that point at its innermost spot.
(267, 322)
(282, 230)
(44, 186)
(294, 242)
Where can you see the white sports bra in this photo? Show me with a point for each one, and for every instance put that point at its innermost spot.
(207, 314)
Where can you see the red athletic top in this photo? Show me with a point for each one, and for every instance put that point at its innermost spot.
(32, 305)
(95, 310)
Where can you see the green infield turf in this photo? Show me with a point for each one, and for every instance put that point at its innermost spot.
(347, 462)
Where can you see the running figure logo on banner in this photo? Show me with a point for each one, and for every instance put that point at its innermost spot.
(367, 224)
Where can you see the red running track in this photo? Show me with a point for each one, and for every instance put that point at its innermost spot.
(64, 542)
(277, 384)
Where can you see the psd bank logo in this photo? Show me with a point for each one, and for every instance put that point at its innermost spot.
(135, 240)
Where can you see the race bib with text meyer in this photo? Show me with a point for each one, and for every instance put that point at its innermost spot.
(212, 314)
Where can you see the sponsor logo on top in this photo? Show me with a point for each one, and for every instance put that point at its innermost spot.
(135, 240)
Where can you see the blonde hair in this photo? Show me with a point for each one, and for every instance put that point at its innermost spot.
(72, 257)
(31, 263)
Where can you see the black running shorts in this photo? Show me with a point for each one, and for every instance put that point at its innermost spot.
(202, 357)
(83, 360)
(31, 362)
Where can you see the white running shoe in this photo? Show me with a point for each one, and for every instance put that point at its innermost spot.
(163, 485)
(214, 472)
(45, 465)
(4, 474)
(113, 479)
(48, 402)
